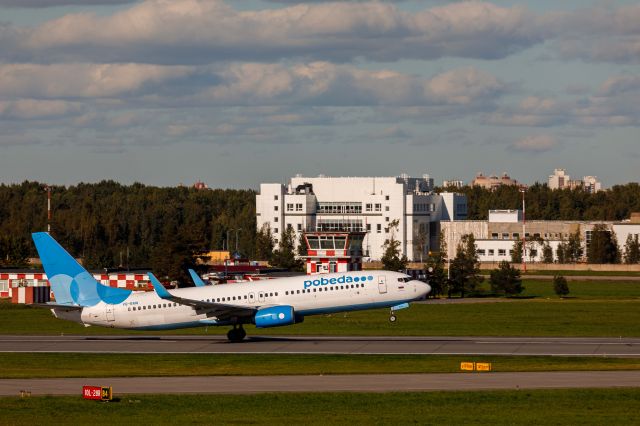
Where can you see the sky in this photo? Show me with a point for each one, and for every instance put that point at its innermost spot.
(235, 93)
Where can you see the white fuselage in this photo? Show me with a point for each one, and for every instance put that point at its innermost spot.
(308, 295)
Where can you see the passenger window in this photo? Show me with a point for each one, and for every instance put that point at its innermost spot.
(298, 291)
(245, 297)
(276, 293)
(128, 309)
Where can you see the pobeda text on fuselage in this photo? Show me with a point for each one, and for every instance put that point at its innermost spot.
(269, 303)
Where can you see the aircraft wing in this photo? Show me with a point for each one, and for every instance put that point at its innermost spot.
(219, 310)
(196, 278)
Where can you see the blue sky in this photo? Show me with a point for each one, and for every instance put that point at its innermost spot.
(237, 93)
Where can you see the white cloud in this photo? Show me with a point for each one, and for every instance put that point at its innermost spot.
(603, 33)
(323, 83)
(55, 3)
(82, 80)
(205, 31)
(535, 144)
(31, 109)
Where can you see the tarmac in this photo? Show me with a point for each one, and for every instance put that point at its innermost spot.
(327, 383)
(168, 344)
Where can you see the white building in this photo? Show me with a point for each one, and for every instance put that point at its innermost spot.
(591, 184)
(456, 183)
(368, 204)
(495, 238)
(559, 179)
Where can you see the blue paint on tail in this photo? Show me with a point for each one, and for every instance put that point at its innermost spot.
(70, 282)
(196, 278)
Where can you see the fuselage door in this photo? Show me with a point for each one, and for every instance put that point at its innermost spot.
(382, 284)
(110, 313)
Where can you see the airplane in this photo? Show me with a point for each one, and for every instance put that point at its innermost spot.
(270, 303)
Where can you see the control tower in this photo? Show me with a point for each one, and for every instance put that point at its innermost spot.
(333, 251)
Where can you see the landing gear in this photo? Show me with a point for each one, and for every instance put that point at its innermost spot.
(236, 334)
(392, 318)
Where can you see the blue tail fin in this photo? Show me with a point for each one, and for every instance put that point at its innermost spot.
(196, 278)
(70, 282)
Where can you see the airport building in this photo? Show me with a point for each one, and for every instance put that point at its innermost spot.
(495, 238)
(361, 204)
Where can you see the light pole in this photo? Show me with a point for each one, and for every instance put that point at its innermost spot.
(237, 231)
(524, 229)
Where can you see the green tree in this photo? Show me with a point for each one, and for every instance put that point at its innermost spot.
(516, 254)
(264, 243)
(631, 250)
(284, 256)
(603, 247)
(391, 259)
(547, 253)
(573, 249)
(437, 275)
(302, 246)
(465, 268)
(560, 286)
(506, 280)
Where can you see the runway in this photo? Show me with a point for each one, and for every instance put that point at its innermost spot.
(330, 383)
(515, 346)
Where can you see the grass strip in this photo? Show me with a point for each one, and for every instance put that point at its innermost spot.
(50, 365)
(521, 317)
(531, 407)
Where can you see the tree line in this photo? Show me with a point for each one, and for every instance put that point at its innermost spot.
(543, 203)
(108, 224)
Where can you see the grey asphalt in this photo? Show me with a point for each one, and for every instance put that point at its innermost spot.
(331, 383)
(549, 346)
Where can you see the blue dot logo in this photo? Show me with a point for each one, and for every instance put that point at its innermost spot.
(370, 278)
(356, 279)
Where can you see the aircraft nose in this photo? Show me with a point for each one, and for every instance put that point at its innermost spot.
(422, 288)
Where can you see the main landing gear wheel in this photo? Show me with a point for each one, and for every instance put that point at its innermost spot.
(392, 318)
(236, 334)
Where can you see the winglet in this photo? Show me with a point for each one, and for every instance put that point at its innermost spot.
(196, 278)
(159, 288)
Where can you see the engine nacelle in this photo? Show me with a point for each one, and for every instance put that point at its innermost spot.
(275, 316)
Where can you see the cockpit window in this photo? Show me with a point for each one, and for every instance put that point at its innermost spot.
(404, 280)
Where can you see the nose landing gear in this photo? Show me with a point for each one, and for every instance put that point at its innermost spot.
(392, 313)
(236, 334)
